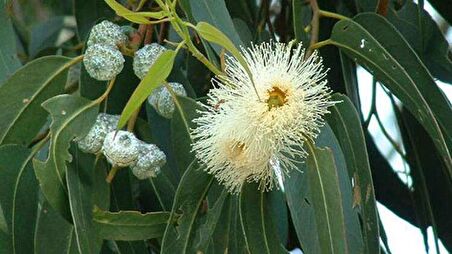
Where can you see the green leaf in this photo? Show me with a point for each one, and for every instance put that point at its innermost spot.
(19, 196)
(87, 13)
(392, 61)
(350, 80)
(8, 51)
(326, 200)
(344, 121)
(119, 94)
(54, 235)
(319, 196)
(45, 35)
(181, 123)
(302, 16)
(81, 185)
(213, 34)
(279, 214)
(426, 38)
(207, 229)
(135, 17)
(130, 225)
(215, 12)
(22, 95)
(191, 192)
(259, 229)
(123, 198)
(367, 5)
(72, 117)
(157, 74)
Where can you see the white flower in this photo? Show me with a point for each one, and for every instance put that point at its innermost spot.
(249, 126)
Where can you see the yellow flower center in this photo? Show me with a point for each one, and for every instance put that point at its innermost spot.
(236, 150)
(276, 98)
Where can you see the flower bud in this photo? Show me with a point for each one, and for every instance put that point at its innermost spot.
(162, 100)
(93, 141)
(121, 148)
(150, 160)
(106, 32)
(103, 62)
(145, 58)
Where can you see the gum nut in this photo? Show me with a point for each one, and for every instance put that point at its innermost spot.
(165, 103)
(121, 148)
(106, 32)
(103, 62)
(150, 159)
(145, 58)
(93, 141)
(145, 174)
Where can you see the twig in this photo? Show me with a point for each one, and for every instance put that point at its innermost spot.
(314, 27)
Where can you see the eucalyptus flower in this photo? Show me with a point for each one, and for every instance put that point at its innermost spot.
(258, 119)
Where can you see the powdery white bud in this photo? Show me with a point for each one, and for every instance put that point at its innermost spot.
(162, 100)
(103, 62)
(93, 141)
(106, 32)
(145, 58)
(150, 160)
(121, 148)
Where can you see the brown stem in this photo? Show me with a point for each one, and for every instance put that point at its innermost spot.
(163, 32)
(148, 36)
(382, 7)
(112, 174)
(314, 27)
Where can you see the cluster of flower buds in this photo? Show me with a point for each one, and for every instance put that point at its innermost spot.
(122, 148)
(103, 60)
(162, 100)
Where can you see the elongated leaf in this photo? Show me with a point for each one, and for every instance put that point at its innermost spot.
(54, 235)
(22, 95)
(158, 72)
(81, 187)
(19, 196)
(213, 34)
(9, 61)
(302, 16)
(344, 121)
(258, 227)
(426, 38)
(72, 117)
(206, 230)
(130, 225)
(87, 13)
(215, 13)
(45, 35)
(392, 61)
(326, 200)
(310, 200)
(350, 80)
(136, 17)
(192, 189)
(123, 199)
(186, 110)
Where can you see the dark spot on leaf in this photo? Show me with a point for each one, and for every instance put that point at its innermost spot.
(307, 201)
